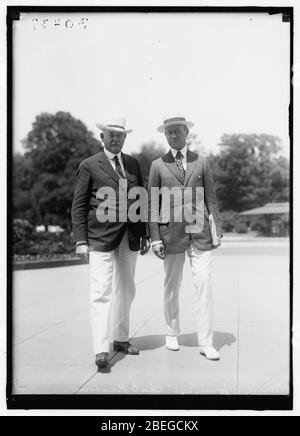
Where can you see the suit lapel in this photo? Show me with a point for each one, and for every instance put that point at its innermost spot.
(126, 167)
(191, 160)
(106, 166)
(170, 163)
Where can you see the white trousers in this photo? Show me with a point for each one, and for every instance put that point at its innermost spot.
(119, 265)
(201, 269)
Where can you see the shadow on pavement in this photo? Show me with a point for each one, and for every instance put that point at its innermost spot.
(150, 342)
(220, 339)
(116, 359)
(142, 343)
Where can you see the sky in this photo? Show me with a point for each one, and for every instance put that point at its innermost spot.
(227, 73)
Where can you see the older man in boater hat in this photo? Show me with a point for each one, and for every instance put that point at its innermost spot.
(171, 238)
(112, 245)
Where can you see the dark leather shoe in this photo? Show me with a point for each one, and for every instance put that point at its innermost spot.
(125, 347)
(102, 361)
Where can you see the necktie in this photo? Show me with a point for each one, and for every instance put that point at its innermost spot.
(118, 167)
(178, 160)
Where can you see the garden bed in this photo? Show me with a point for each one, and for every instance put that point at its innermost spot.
(21, 262)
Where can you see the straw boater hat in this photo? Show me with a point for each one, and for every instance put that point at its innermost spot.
(116, 124)
(171, 121)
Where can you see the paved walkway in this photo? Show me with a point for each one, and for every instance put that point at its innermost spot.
(52, 337)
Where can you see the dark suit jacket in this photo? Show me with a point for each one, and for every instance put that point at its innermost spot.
(176, 235)
(93, 173)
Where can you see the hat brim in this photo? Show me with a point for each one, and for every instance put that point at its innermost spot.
(113, 129)
(162, 128)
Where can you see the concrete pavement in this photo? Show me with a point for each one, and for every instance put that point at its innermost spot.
(52, 335)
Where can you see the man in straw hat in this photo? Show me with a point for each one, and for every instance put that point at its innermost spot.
(184, 170)
(112, 245)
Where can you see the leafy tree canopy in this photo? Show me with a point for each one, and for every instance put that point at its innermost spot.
(249, 172)
(44, 177)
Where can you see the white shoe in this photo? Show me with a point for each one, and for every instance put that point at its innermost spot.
(210, 353)
(172, 343)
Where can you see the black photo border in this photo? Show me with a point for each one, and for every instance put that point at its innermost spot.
(139, 402)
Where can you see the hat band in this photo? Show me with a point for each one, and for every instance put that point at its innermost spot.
(116, 126)
(172, 120)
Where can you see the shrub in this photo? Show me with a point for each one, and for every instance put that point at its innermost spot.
(21, 230)
(229, 218)
(260, 226)
(241, 226)
(26, 241)
(233, 222)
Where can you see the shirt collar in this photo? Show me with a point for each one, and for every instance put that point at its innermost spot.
(111, 155)
(183, 152)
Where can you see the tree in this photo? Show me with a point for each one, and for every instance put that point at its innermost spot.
(195, 144)
(249, 171)
(149, 152)
(23, 179)
(54, 147)
(280, 180)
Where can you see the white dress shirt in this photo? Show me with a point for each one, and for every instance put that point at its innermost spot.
(110, 156)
